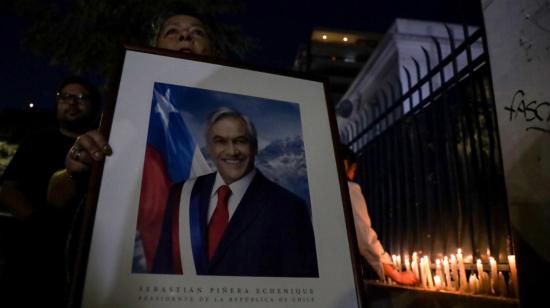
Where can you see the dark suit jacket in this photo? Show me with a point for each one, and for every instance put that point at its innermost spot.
(270, 233)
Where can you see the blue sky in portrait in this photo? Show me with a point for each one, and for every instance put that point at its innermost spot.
(280, 155)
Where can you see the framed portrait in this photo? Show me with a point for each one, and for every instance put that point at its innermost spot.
(222, 191)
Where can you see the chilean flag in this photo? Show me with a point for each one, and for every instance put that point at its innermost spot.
(171, 156)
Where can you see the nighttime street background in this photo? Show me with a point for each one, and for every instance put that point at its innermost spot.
(276, 27)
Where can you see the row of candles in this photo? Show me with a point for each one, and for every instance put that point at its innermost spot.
(450, 274)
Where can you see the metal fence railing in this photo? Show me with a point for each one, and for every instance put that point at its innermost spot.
(430, 162)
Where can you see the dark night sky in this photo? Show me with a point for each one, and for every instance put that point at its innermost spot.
(278, 27)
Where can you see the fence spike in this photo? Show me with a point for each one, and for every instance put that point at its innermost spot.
(427, 55)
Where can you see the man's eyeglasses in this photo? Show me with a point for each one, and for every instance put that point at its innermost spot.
(66, 97)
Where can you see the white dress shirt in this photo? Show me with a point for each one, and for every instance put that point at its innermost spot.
(369, 245)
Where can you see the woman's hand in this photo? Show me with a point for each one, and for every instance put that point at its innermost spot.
(88, 148)
(403, 278)
(68, 185)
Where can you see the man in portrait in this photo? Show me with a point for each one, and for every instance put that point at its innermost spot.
(241, 223)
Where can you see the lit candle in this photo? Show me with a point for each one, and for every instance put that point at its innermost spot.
(501, 285)
(423, 274)
(474, 283)
(454, 270)
(461, 270)
(414, 265)
(407, 264)
(394, 260)
(437, 281)
(494, 274)
(482, 278)
(447, 272)
(486, 286)
(514, 274)
(479, 269)
(438, 272)
(429, 272)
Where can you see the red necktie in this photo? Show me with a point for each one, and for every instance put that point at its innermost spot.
(219, 220)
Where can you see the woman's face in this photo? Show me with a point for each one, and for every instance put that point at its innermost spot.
(186, 34)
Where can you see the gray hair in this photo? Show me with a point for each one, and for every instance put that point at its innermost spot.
(209, 23)
(227, 112)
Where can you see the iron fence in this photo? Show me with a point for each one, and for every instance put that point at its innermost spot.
(430, 162)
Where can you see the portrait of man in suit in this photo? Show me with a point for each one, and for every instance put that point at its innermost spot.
(241, 223)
